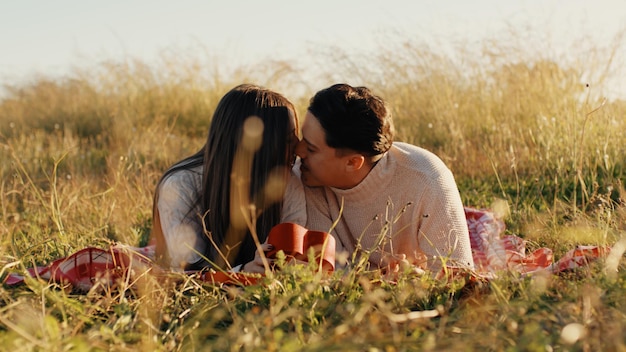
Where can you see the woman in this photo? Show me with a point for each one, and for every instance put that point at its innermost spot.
(209, 207)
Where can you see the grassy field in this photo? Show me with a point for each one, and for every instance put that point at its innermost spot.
(80, 156)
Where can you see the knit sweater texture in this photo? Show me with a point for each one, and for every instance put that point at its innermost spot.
(408, 204)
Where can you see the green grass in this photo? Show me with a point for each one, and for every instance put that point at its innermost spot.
(80, 156)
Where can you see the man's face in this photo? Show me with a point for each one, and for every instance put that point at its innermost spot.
(321, 164)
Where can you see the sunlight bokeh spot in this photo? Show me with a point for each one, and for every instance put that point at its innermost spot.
(614, 258)
(572, 333)
(500, 207)
(252, 133)
(540, 283)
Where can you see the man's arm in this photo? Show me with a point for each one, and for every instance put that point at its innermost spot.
(443, 235)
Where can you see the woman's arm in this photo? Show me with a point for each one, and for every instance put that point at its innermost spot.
(180, 222)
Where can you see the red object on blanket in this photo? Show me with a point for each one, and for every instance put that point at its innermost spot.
(296, 242)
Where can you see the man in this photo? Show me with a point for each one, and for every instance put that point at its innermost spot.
(390, 201)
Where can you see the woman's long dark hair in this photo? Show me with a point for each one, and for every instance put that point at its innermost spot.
(217, 156)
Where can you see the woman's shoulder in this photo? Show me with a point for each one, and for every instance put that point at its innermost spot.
(183, 181)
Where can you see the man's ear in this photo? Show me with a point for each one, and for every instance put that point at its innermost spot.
(355, 162)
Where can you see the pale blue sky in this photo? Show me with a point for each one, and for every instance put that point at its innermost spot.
(41, 36)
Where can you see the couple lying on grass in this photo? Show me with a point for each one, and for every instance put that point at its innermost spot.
(395, 203)
(346, 187)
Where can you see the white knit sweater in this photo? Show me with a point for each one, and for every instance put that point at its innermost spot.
(408, 204)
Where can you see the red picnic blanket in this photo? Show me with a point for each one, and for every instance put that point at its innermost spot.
(493, 254)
